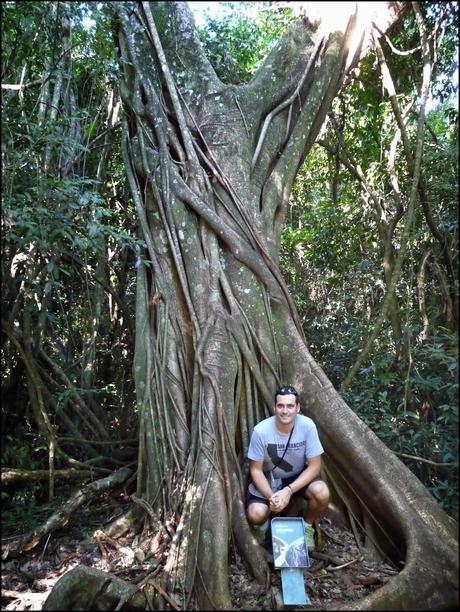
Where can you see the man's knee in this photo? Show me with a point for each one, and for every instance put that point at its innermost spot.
(319, 492)
(257, 513)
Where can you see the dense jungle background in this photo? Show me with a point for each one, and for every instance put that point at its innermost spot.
(71, 247)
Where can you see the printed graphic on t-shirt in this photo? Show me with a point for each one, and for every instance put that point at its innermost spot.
(272, 450)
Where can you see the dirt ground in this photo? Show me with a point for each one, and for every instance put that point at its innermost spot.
(338, 573)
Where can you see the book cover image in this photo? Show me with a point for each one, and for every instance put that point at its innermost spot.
(288, 542)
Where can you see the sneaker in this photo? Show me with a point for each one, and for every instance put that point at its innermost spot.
(310, 536)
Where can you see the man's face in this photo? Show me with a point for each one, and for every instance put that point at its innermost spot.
(286, 408)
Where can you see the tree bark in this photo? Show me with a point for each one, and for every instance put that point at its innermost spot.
(211, 167)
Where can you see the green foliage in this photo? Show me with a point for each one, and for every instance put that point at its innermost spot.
(68, 226)
(21, 511)
(20, 453)
(19, 502)
(25, 505)
(424, 423)
(237, 42)
(445, 86)
(24, 508)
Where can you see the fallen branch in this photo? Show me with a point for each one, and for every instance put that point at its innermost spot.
(435, 463)
(35, 599)
(172, 602)
(12, 474)
(28, 541)
(331, 536)
(371, 579)
(328, 558)
(315, 568)
(333, 569)
(19, 86)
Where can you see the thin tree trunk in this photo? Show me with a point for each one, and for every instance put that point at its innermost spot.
(386, 228)
(421, 296)
(418, 151)
(422, 192)
(96, 292)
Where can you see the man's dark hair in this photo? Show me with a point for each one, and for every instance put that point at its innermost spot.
(287, 390)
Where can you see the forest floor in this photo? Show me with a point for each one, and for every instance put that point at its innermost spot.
(338, 572)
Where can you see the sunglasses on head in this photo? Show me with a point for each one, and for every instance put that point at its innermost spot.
(286, 391)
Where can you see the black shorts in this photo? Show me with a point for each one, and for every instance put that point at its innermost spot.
(255, 499)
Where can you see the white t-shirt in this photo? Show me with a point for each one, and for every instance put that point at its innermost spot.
(268, 445)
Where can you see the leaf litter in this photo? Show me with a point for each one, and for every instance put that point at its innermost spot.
(338, 572)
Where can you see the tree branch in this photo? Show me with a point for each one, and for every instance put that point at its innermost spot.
(328, 77)
(286, 102)
(434, 463)
(281, 70)
(189, 65)
(14, 475)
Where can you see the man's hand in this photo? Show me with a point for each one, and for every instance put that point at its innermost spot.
(279, 500)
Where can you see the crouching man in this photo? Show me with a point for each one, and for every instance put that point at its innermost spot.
(285, 463)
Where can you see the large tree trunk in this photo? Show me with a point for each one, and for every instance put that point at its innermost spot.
(211, 167)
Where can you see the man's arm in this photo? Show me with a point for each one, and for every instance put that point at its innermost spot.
(311, 472)
(280, 499)
(259, 479)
